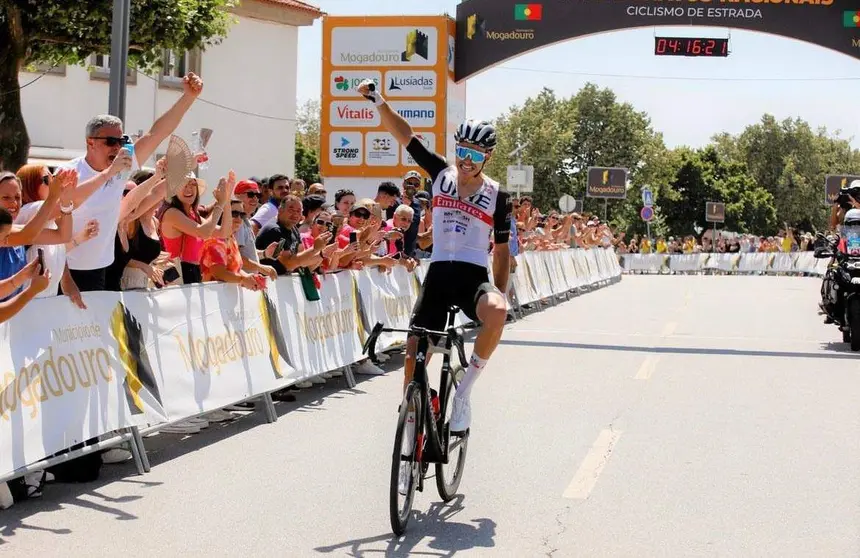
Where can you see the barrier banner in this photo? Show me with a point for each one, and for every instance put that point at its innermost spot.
(142, 358)
(69, 375)
(387, 298)
(321, 335)
(746, 262)
(539, 274)
(212, 345)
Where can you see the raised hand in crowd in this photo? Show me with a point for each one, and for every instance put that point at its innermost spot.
(71, 290)
(192, 85)
(90, 231)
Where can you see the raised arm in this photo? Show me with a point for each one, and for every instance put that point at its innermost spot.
(26, 235)
(147, 144)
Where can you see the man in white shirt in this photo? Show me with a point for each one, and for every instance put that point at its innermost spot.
(105, 139)
(279, 186)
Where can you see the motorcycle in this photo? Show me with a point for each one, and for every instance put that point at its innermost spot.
(840, 290)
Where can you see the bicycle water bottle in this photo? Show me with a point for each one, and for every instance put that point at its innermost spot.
(199, 151)
(434, 400)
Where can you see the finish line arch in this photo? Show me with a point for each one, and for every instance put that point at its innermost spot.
(492, 31)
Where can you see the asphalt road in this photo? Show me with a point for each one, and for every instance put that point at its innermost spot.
(662, 416)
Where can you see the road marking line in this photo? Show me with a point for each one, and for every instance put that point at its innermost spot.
(669, 329)
(647, 368)
(586, 477)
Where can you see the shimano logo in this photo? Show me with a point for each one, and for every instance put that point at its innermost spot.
(417, 113)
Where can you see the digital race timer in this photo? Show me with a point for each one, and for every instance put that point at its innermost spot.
(690, 46)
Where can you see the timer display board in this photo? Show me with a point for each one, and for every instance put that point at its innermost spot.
(690, 46)
(492, 31)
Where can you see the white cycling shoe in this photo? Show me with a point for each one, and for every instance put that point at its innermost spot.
(461, 415)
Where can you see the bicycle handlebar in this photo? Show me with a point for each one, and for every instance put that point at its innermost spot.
(369, 347)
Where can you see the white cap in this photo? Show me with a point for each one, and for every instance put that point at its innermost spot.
(854, 184)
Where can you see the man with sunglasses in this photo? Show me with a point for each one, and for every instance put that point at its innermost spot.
(467, 207)
(106, 144)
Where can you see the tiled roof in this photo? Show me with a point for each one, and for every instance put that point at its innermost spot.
(297, 5)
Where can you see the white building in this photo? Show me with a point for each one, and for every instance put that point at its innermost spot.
(251, 74)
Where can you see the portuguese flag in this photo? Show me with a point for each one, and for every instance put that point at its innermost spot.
(530, 12)
(851, 18)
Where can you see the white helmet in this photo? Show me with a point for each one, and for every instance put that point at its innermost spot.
(852, 218)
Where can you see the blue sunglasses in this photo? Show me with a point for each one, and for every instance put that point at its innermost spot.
(468, 152)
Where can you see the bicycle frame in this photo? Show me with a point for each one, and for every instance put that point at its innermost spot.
(435, 449)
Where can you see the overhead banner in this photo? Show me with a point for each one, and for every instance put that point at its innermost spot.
(492, 31)
(79, 375)
(212, 345)
(409, 59)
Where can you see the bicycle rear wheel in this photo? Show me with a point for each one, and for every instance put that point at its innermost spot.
(449, 475)
(405, 456)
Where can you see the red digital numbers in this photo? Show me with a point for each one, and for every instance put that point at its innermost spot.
(689, 46)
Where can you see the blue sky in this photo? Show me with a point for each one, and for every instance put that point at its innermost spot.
(688, 100)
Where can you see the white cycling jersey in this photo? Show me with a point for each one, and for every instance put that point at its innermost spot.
(462, 227)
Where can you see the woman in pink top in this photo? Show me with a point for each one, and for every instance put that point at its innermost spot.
(183, 230)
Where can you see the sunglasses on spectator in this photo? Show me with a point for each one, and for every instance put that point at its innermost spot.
(254, 194)
(240, 214)
(473, 154)
(46, 179)
(112, 141)
(322, 222)
(361, 213)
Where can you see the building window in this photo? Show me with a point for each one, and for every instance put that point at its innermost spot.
(175, 65)
(49, 69)
(101, 69)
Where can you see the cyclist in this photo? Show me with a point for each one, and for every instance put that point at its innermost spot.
(466, 207)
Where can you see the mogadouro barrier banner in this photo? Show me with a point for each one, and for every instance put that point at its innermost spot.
(148, 358)
(752, 263)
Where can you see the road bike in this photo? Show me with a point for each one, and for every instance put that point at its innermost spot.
(431, 440)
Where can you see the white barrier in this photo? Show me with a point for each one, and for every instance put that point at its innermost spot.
(137, 359)
(755, 263)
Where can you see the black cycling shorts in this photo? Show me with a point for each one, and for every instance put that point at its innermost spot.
(450, 283)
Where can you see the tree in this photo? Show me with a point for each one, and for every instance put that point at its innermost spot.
(308, 124)
(790, 160)
(69, 32)
(307, 163)
(703, 176)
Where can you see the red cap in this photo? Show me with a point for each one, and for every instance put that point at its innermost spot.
(246, 186)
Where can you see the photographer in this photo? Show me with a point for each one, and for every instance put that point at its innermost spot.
(848, 198)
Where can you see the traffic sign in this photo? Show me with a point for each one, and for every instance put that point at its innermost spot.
(647, 197)
(647, 213)
(606, 182)
(569, 204)
(521, 178)
(715, 212)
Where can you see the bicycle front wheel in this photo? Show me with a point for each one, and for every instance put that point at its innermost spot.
(449, 475)
(405, 465)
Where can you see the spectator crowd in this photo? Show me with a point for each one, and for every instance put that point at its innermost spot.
(107, 222)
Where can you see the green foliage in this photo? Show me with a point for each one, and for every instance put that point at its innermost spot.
(771, 173)
(69, 32)
(307, 163)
